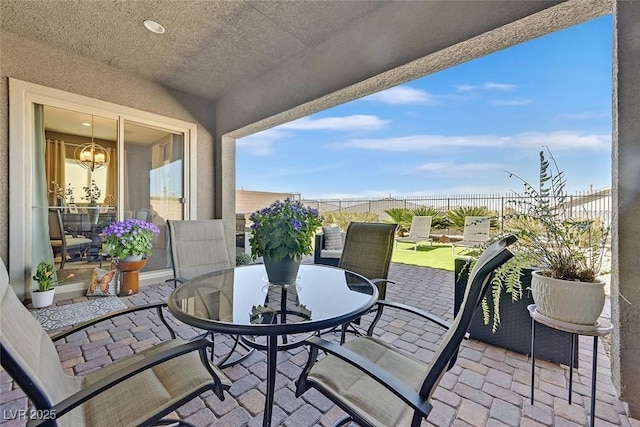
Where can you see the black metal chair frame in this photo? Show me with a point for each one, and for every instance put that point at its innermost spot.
(496, 255)
(43, 405)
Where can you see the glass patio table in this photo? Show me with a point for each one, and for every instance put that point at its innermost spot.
(241, 301)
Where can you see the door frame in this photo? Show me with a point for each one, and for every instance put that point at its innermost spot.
(22, 96)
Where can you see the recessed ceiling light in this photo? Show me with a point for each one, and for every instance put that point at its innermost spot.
(153, 26)
(85, 124)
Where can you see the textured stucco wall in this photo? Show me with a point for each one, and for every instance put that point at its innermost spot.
(36, 63)
(626, 196)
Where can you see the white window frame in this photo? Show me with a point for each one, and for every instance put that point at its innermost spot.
(22, 96)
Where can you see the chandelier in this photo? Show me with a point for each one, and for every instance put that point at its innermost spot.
(91, 156)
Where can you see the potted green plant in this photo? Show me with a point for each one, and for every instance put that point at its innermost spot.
(46, 279)
(281, 234)
(566, 251)
(92, 194)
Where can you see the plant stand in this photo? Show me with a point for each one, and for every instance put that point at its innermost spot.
(130, 276)
(514, 332)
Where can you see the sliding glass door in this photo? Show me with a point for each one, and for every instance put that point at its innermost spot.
(153, 181)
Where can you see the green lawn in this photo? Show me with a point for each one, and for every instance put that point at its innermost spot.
(436, 256)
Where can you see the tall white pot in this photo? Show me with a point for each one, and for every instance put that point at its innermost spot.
(567, 300)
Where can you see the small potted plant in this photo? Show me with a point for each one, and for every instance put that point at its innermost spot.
(45, 277)
(92, 194)
(281, 234)
(130, 239)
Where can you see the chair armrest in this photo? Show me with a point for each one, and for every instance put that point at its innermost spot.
(80, 326)
(382, 376)
(98, 387)
(176, 281)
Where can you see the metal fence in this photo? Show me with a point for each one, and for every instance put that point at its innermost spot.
(585, 204)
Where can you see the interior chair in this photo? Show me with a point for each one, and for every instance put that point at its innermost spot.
(199, 247)
(139, 389)
(142, 214)
(61, 241)
(378, 384)
(475, 232)
(419, 231)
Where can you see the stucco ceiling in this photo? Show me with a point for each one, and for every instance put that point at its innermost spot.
(209, 46)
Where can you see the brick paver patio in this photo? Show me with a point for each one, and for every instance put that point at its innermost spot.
(489, 386)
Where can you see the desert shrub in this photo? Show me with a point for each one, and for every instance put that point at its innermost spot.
(344, 218)
(243, 258)
(400, 216)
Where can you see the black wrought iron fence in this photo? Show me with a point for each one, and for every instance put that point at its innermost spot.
(586, 204)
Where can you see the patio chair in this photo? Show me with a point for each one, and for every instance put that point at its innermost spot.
(61, 241)
(367, 251)
(139, 389)
(199, 247)
(378, 384)
(419, 231)
(475, 232)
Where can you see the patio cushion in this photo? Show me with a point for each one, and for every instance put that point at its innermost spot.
(332, 237)
(331, 253)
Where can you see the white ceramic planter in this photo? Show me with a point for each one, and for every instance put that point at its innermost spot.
(566, 300)
(42, 299)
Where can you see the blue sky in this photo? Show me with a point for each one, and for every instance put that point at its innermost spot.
(454, 132)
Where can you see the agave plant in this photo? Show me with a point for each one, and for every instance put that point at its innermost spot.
(400, 216)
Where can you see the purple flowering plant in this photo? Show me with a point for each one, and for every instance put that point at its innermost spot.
(130, 237)
(283, 229)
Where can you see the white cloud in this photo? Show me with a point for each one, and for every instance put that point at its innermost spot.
(584, 115)
(260, 144)
(401, 95)
(511, 102)
(457, 169)
(558, 140)
(486, 86)
(354, 122)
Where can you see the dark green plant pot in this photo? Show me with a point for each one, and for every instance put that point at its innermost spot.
(283, 272)
(514, 332)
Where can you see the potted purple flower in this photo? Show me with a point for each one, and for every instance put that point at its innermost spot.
(281, 233)
(130, 240)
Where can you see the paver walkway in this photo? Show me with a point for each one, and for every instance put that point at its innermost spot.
(489, 386)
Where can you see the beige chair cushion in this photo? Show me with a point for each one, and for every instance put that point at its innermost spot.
(373, 401)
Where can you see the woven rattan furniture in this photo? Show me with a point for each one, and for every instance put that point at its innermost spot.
(136, 390)
(378, 384)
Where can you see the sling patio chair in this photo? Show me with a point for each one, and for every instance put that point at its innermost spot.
(136, 390)
(419, 231)
(475, 232)
(367, 251)
(378, 384)
(199, 247)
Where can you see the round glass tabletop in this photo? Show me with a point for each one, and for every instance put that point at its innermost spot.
(241, 300)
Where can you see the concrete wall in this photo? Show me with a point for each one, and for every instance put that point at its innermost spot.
(626, 196)
(248, 202)
(36, 63)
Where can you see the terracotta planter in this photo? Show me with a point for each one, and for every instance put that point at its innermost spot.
(283, 272)
(567, 300)
(40, 299)
(130, 276)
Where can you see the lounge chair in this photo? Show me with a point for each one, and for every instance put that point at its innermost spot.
(419, 231)
(475, 233)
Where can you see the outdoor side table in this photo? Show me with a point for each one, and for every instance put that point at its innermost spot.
(601, 328)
